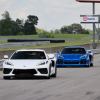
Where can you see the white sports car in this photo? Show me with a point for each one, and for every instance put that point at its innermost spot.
(24, 63)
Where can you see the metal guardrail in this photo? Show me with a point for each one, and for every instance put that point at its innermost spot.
(96, 51)
(1, 63)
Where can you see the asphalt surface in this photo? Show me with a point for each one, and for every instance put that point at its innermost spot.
(16, 44)
(70, 84)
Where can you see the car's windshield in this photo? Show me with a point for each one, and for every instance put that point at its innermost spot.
(28, 55)
(73, 51)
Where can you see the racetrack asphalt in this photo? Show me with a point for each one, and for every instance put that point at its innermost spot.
(70, 84)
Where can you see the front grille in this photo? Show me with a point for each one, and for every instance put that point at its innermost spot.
(26, 71)
(7, 70)
(71, 62)
(43, 70)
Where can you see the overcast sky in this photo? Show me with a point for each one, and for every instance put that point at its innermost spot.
(52, 13)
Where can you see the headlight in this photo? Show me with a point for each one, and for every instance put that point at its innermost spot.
(84, 57)
(60, 57)
(46, 62)
(9, 63)
(43, 63)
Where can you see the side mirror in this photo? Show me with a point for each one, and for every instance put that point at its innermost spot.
(89, 51)
(5, 56)
(51, 56)
(58, 52)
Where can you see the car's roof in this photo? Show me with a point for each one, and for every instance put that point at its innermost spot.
(75, 47)
(31, 50)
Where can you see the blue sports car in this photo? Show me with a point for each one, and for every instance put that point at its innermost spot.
(75, 56)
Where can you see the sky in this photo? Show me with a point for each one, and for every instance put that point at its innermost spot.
(52, 14)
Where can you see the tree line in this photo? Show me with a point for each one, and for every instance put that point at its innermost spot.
(72, 29)
(8, 26)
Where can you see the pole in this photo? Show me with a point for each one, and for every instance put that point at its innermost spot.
(98, 33)
(94, 43)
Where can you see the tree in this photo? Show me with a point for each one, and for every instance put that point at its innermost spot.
(6, 15)
(74, 28)
(66, 29)
(33, 19)
(18, 27)
(20, 24)
(7, 25)
(8, 28)
(29, 26)
(57, 31)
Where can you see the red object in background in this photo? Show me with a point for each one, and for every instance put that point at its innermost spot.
(85, 18)
(89, 1)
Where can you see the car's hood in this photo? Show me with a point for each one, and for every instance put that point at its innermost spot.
(25, 63)
(71, 56)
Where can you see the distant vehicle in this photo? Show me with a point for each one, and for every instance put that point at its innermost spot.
(75, 56)
(24, 63)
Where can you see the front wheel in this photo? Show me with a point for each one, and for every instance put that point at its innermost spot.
(55, 74)
(48, 77)
(91, 64)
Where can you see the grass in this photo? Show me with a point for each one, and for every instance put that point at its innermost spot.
(20, 37)
(58, 36)
(46, 45)
(71, 36)
(3, 41)
(71, 39)
(75, 36)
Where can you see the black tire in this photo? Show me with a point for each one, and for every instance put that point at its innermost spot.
(48, 77)
(87, 66)
(6, 77)
(91, 64)
(55, 75)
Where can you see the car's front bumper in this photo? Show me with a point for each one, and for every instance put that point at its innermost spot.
(72, 63)
(25, 72)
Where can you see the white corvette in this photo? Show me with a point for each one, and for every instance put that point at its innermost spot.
(29, 62)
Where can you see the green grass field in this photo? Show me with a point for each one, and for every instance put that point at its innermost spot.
(59, 36)
(72, 36)
(19, 37)
(71, 39)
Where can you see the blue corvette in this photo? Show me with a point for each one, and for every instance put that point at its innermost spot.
(74, 56)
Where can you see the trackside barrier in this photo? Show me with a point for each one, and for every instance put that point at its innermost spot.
(96, 51)
(1, 62)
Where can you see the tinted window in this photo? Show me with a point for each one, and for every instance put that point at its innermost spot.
(29, 55)
(73, 51)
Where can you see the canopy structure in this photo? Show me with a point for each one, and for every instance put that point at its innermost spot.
(93, 11)
(89, 1)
